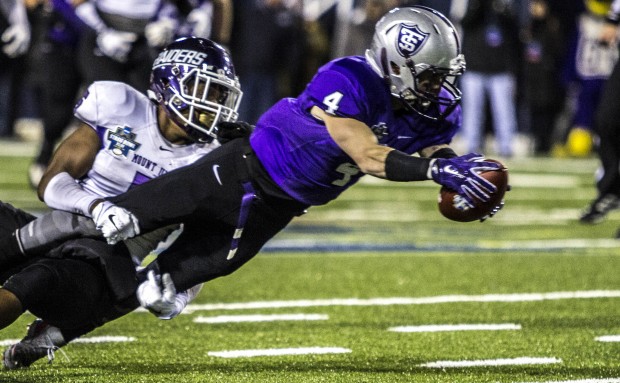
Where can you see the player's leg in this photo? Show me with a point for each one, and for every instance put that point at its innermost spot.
(73, 298)
(30, 236)
(607, 127)
(11, 219)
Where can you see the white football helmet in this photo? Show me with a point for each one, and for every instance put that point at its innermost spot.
(418, 51)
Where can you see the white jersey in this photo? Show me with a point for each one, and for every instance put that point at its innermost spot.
(133, 150)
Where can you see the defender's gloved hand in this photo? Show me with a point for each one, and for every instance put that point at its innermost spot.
(461, 175)
(158, 295)
(115, 223)
(116, 44)
(227, 131)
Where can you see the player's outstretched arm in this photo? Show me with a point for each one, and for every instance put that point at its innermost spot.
(457, 173)
(72, 160)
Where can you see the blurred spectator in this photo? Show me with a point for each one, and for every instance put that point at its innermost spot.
(210, 19)
(266, 45)
(14, 41)
(56, 30)
(355, 28)
(16, 36)
(123, 38)
(607, 128)
(592, 63)
(362, 26)
(543, 90)
(491, 48)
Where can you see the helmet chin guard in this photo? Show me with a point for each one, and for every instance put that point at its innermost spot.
(417, 50)
(194, 80)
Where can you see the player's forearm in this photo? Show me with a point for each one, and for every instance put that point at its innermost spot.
(53, 228)
(64, 193)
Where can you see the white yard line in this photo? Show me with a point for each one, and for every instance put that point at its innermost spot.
(278, 352)
(608, 338)
(92, 339)
(490, 362)
(260, 318)
(457, 327)
(610, 380)
(526, 297)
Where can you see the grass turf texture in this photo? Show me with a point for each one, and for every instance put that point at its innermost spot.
(535, 245)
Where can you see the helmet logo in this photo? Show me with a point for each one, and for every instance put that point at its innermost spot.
(410, 40)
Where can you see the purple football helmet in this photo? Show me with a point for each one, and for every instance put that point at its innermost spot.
(194, 80)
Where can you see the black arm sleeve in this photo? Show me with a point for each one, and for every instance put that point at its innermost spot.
(400, 166)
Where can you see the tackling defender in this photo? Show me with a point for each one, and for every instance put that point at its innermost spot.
(125, 139)
(357, 116)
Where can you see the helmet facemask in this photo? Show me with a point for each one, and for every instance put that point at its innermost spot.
(201, 102)
(417, 51)
(419, 87)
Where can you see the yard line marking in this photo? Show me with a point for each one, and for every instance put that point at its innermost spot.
(456, 327)
(306, 245)
(260, 318)
(525, 297)
(608, 338)
(104, 339)
(611, 380)
(92, 339)
(279, 352)
(490, 362)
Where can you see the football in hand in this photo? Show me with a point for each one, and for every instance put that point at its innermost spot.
(452, 206)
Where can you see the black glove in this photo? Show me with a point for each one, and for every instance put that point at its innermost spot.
(227, 131)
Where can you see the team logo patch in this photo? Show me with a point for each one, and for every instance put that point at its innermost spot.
(410, 40)
(122, 141)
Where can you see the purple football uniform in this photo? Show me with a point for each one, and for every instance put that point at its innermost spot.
(306, 162)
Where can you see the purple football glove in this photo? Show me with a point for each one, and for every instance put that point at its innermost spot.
(461, 175)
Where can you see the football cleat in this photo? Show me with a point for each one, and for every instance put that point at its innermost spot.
(597, 211)
(41, 340)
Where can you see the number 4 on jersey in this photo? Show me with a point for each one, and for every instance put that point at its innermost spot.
(332, 101)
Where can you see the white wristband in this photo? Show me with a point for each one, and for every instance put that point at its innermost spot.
(64, 193)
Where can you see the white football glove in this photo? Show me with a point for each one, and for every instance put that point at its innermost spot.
(200, 21)
(160, 33)
(115, 223)
(158, 295)
(16, 39)
(116, 44)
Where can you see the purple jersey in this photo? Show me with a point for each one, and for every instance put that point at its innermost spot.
(297, 150)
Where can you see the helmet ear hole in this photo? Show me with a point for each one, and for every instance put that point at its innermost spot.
(395, 68)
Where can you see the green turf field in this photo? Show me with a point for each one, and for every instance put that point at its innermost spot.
(366, 289)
